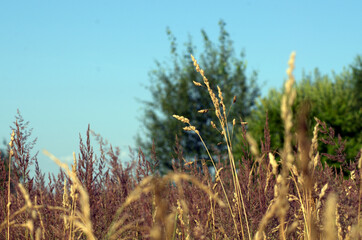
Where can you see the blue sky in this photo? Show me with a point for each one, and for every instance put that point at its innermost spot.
(65, 64)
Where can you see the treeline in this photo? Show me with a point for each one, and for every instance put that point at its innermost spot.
(334, 99)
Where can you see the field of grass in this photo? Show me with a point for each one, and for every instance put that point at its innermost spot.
(255, 197)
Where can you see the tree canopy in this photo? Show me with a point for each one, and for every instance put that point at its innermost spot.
(335, 100)
(173, 92)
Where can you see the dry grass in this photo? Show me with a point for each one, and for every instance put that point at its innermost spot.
(256, 197)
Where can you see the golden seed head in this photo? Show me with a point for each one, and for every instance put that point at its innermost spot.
(234, 121)
(203, 111)
(294, 170)
(213, 124)
(194, 60)
(11, 153)
(292, 58)
(197, 84)
(220, 93)
(191, 128)
(188, 163)
(181, 118)
(30, 225)
(253, 145)
(187, 128)
(12, 139)
(217, 112)
(316, 160)
(234, 99)
(65, 194)
(273, 163)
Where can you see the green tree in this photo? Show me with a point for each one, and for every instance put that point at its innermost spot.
(334, 100)
(173, 92)
(4, 167)
(357, 78)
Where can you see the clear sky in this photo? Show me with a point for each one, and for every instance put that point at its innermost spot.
(65, 64)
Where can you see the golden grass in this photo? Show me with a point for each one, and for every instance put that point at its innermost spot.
(222, 116)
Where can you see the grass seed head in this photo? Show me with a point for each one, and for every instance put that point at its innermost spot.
(203, 111)
(181, 118)
(213, 124)
(197, 84)
(273, 163)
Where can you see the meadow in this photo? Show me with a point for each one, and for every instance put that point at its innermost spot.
(266, 194)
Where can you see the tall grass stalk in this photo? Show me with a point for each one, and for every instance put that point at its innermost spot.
(9, 183)
(222, 116)
(82, 219)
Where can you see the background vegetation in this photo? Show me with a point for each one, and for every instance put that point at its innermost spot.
(255, 197)
(335, 100)
(173, 92)
(286, 184)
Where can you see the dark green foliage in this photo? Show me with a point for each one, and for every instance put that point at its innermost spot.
(334, 100)
(4, 169)
(357, 78)
(173, 92)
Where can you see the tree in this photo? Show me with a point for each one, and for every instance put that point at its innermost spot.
(357, 78)
(173, 92)
(333, 100)
(4, 168)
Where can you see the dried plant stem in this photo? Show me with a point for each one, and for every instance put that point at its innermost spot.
(360, 190)
(74, 197)
(192, 128)
(222, 116)
(42, 231)
(330, 226)
(82, 220)
(287, 160)
(237, 188)
(301, 204)
(238, 191)
(213, 163)
(9, 203)
(9, 183)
